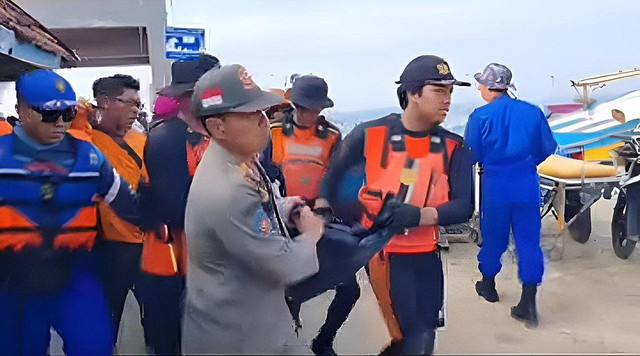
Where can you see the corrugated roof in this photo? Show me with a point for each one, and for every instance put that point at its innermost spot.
(29, 29)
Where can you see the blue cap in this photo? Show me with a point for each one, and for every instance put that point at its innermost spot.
(45, 90)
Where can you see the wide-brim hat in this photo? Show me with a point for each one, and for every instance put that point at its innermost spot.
(185, 74)
(311, 92)
(496, 76)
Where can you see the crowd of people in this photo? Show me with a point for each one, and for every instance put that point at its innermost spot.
(236, 205)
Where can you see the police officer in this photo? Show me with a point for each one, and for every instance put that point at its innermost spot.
(240, 256)
(50, 183)
(509, 137)
(424, 165)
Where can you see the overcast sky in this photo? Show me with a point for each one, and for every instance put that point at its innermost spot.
(361, 47)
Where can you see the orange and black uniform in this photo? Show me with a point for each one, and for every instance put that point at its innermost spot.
(431, 168)
(303, 154)
(121, 242)
(172, 155)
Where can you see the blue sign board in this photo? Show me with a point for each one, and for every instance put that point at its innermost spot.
(184, 43)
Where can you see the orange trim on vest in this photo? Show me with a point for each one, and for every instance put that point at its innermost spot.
(194, 155)
(163, 258)
(304, 158)
(5, 128)
(159, 256)
(17, 231)
(113, 227)
(415, 172)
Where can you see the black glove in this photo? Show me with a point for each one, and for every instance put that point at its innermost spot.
(397, 215)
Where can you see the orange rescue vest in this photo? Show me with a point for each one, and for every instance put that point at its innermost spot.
(303, 154)
(414, 169)
(130, 165)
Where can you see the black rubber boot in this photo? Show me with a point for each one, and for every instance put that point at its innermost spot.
(321, 346)
(486, 288)
(392, 349)
(526, 310)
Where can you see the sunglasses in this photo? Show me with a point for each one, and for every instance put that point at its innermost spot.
(51, 116)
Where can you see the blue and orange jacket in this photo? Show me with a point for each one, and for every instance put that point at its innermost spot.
(41, 205)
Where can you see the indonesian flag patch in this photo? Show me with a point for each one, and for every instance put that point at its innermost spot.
(212, 97)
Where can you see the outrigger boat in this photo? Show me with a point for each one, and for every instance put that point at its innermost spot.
(583, 170)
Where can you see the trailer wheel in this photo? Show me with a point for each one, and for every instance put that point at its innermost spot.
(621, 246)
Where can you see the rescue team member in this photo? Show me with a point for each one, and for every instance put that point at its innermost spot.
(118, 105)
(303, 142)
(240, 255)
(174, 148)
(49, 185)
(509, 137)
(424, 165)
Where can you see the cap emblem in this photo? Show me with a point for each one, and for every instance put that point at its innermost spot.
(61, 86)
(443, 68)
(212, 97)
(245, 78)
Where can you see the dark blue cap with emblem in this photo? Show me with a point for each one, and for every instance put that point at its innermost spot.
(45, 90)
(428, 69)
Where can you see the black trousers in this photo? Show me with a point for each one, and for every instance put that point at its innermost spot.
(416, 296)
(119, 272)
(347, 294)
(162, 301)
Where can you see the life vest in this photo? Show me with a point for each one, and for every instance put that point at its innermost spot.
(414, 169)
(49, 210)
(128, 162)
(5, 128)
(303, 154)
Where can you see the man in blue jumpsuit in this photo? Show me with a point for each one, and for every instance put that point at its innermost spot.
(509, 137)
(50, 183)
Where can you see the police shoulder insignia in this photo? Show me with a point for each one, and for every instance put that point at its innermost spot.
(443, 68)
(265, 226)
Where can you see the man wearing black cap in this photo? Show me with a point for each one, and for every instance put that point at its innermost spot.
(412, 157)
(303, 142)
(50, 183)
(174, 149)
(509, 137)
(240, 255)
